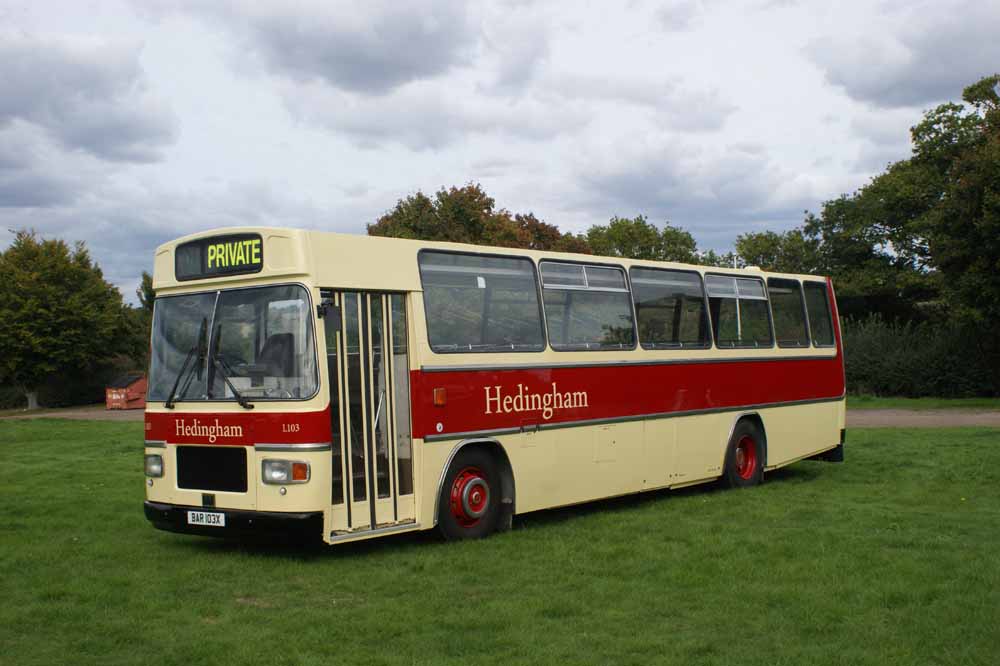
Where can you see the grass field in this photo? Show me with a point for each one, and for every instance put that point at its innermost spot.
(890, 558)
(873, 402)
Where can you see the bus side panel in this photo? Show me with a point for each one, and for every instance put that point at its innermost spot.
(658, 455)
(701, 446)
(797, 431)
(536, 475)
(594, 461)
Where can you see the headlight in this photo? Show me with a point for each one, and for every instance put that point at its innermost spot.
(154, 465)
(284, 471)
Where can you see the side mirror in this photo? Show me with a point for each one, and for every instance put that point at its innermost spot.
(331, 313)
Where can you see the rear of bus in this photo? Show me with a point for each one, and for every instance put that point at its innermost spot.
(237, 427)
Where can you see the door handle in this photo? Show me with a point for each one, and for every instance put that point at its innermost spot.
(378, 411)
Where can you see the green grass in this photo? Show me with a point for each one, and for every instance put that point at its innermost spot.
(874, 402)
(44, 411)
(890, 558)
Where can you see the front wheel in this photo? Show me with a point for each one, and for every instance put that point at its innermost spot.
(469, 504)
(745, 456)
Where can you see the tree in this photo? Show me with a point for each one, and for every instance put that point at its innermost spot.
(58, 316)
(962, 227)
(637, 238)
(468, 215)
(145, 292)
(924, 234)
(790, 252)
(725, 260)
(141, 322)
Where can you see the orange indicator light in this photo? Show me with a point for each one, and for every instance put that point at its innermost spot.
(440, 397)
(300, 472)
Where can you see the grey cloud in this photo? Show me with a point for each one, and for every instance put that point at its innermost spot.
(679, 15)
(519, 43)
(123, 227)
(713, 195)
(491, 167)
(749, 147)
(374, 48)
(33, 174)
(675, 105)
(874, 157)
(88, 95)
(34, 188)
(367, 47)
(917, 56)
(884, 138)
(425, 116)
(109, 131)
(777, 4)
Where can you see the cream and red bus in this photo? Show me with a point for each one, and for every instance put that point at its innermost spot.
(343, 387)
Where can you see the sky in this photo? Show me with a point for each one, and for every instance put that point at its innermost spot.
(127, 124)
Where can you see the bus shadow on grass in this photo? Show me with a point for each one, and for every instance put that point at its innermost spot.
(303, 551)
(315, 550)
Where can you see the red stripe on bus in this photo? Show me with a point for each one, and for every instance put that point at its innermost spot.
(495, 399)
(239, 429)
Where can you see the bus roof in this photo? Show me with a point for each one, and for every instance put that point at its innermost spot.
(354, 260)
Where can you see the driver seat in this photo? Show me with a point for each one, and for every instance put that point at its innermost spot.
(278, 356)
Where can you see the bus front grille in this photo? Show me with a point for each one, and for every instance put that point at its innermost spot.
(212, 468)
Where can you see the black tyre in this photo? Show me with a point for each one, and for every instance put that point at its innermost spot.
(469, 504)
(744, 456)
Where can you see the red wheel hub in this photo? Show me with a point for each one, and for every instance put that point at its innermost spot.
(470, 496)
(746, 457)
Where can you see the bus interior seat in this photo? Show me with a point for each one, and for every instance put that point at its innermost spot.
(277, 355)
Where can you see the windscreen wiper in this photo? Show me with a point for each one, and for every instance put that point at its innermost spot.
(199, 347)
(225, 371)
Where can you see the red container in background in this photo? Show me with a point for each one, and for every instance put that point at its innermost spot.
(126, 392)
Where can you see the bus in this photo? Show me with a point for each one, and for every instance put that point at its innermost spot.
(341, 387)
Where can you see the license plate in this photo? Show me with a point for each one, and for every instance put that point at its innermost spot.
(206, 518)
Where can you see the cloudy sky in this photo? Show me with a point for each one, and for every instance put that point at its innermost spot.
(125, 124)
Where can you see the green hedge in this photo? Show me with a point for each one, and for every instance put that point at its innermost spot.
(919, 359)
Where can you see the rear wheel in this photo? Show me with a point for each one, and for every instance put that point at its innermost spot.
(469, 504)
(745, 456)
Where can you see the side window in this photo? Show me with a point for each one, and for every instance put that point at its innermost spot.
(739, 311)
(789, 312)
(669, 308)
(820, 321)
(587, 307)
(479, 303)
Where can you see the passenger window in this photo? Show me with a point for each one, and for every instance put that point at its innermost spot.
(789, 311)
(476, 303)
(820, 320)
(587, 307)
(670, 308)
(739, 312)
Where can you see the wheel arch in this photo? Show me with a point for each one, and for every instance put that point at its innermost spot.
(757, 420)
(496, 450)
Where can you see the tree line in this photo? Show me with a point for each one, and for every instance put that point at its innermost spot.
(64, 330)
(914, 254)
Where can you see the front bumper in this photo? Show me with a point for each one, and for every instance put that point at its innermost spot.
(239, 524)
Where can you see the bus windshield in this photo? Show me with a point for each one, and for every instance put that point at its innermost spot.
(237, 344)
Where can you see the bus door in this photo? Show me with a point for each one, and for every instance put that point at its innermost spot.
(372, 453)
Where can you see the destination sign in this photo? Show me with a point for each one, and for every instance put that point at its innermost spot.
(219, 255)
